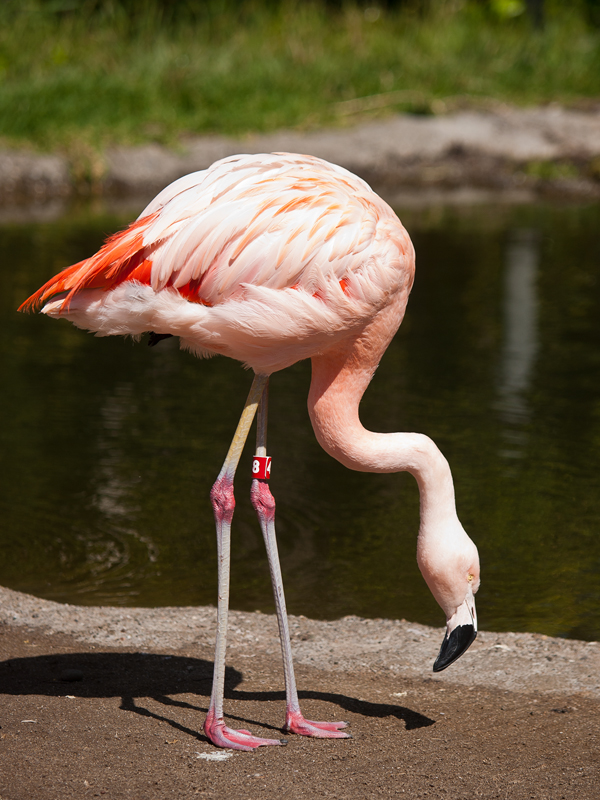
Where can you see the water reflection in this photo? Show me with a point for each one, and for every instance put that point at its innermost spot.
(113, 486)
(519, 350)
(109, 448)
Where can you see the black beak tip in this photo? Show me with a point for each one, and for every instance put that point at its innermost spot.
(454, 646)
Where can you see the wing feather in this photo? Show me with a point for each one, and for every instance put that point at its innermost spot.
(280, 221)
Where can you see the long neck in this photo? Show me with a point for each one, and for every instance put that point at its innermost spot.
(339, 380)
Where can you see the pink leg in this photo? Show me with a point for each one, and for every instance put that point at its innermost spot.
(264, 505)
(223, 506)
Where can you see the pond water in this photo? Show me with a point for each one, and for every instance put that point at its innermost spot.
(109, 448)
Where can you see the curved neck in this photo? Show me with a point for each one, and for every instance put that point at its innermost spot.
(339, 380)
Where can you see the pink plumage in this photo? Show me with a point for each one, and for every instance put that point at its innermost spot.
(266, 259)
(270, 259)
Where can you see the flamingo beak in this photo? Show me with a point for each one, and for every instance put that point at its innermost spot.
(461, 631)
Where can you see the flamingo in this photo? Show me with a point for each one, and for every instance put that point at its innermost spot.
(270, 259)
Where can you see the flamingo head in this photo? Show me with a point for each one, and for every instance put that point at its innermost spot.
(449, 562)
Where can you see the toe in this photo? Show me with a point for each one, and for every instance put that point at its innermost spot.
(295, 723)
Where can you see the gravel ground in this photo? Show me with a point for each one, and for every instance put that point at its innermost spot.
(507, 661)
(110, 702)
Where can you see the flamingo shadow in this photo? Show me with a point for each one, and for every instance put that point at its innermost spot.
(134, 676)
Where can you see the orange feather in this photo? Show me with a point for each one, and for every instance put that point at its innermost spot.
(121, 258)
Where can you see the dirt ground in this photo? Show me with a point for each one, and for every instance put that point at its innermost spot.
(115, 708)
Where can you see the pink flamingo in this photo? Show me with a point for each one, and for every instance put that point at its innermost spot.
(270, 259)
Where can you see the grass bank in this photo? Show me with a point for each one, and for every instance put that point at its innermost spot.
(73, 80)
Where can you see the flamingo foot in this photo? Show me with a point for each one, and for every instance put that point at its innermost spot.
(295, 723)
(222, 736)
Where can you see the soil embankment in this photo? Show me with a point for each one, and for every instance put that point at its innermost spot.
(510, 152)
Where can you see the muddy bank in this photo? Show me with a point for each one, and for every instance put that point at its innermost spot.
(528, 152)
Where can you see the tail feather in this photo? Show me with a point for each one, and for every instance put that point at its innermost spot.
(121, 258)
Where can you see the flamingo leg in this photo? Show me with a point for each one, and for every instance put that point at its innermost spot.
(223, 506)
(264, 505)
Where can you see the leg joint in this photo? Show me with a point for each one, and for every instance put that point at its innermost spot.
(222, 499)
(262, 499)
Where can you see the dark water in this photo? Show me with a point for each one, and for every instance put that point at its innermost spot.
(109, 448)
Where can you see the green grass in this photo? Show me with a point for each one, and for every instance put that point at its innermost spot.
(78, 82)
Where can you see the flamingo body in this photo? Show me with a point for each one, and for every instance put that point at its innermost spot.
(266, 259)
(270, 259)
